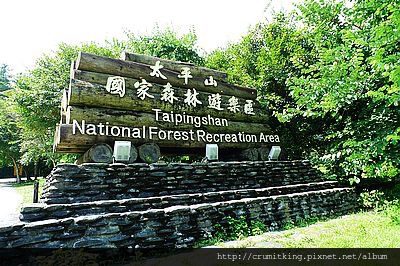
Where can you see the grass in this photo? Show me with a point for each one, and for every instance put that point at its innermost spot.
(377, 228)
(372, 229)
(361, 230)
(25, 189)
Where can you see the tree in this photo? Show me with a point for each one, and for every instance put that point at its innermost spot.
(37, 99)
(266, 58)
(330, 76)
(38, 93)
(355, 82)
(4, 78)
(9, 136)
(165, 44)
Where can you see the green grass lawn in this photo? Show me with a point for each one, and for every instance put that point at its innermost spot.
(25, 189)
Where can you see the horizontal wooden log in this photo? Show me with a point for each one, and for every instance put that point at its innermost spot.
(67, 140)
(75, 150)
(139, 119)
(94, 95)
(175, 66)
(149, 152)
(98, 153)
(226, 154)
(105, 65)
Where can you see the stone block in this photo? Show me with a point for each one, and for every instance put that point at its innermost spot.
(92, 243)
(28, 240)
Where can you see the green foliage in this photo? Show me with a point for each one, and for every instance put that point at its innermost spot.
(353, 84)
(9, 133)
(392, 211)
(373, 199)
(330, 76)
(5, 78)
(266, 58)
(36, 100)
(165, 44)
(38, 96)
(386, 201)
(240, 228)
(236, 228)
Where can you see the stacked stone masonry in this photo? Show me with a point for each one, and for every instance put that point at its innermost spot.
(170, 205)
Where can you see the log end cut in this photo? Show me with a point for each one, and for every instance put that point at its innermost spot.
(149, 152)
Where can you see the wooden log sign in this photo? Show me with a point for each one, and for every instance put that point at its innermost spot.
(144, 99)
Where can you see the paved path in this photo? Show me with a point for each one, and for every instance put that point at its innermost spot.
(10, 201)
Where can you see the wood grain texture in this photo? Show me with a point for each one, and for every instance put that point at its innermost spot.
(139, 119)
(149, 152)
(98, 153)
(90, 94)
(105, 65)
(67, 141)
(176, 66)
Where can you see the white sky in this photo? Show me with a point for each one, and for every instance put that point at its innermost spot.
(30, 28)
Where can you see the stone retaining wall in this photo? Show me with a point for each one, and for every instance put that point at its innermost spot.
(35, 212)
(69, 183)
(177, 226)
(170, 205)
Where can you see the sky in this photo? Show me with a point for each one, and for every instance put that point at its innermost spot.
(31, 28)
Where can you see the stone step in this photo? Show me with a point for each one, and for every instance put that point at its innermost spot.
(91, 182)
(175, 226)
(35, 212)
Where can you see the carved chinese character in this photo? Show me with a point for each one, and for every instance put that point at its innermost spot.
(185, 74)
(116, 85)
(191, 98)
(143, 87)
(248, 107)
(214, 101)
(233, 104)
(157, 70)
(168, 94)
(210, 82)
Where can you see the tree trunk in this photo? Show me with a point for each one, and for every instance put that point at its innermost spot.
(28, 178)
(17, 170)
(149, 152)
